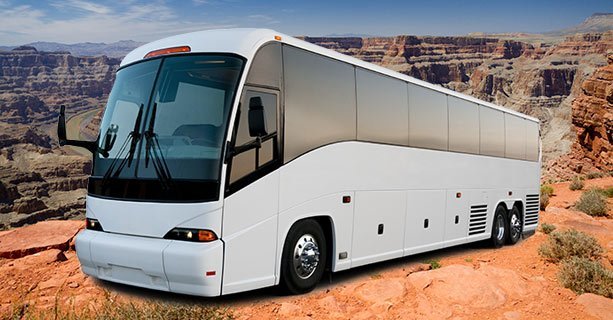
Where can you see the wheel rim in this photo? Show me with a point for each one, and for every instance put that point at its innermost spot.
(515, 226)
(306, 256)
(500, 227)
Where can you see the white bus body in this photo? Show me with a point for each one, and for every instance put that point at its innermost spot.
(384, 164)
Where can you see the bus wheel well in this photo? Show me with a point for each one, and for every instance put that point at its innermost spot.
(519, 206)
(326, 224)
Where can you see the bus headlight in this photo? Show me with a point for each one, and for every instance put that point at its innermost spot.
(93, 224)
(194, 235)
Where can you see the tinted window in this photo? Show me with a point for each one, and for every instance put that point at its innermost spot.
(247, 162)
(427, 118)
(492, 132)
(320, 104)
(532, 140)
(383, 108)
(463, 125)
(266, 67)
(515, 137)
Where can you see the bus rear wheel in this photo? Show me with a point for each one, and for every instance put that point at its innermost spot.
(304, 257)
(499, 227)
(515, 226)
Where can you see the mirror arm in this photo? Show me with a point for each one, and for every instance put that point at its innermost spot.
(92, 146)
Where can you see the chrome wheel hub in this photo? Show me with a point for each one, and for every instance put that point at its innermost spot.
(515, 226)
(500, 227)
(306, 256)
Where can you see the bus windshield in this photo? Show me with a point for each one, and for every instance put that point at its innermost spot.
(163, 129)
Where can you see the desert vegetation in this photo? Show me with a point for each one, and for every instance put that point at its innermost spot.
(111, 309)
(563, 245)
(593, 202)
(576, 184)
(584, 275)
(547, 228)
(580, 269)
(546, 193)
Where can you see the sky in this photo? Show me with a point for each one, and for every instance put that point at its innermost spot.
(71, 21)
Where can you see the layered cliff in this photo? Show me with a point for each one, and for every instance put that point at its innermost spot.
(38, 180)
(592, 118)
(33, 84)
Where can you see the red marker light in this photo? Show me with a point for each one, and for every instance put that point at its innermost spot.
(346, 199)
(210, 273)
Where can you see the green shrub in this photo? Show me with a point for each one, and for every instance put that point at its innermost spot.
(547, 228)
(434, 264)
(593, 203)
(584, 275)
(111, 309)
(570, 243)
(608, 192)
(576, 184)
(594, 175)
(546, 189)
(544, 202)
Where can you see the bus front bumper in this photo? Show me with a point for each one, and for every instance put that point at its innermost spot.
(160, 264)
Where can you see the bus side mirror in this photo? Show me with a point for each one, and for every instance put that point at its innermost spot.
(257, 118)
(92, 146)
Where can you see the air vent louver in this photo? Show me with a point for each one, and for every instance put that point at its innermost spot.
(532, 209)
(478, 219)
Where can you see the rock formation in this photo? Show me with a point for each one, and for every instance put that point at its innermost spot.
(38, 180)
(592, 118)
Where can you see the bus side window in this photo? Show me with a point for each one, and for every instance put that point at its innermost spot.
(247, 162)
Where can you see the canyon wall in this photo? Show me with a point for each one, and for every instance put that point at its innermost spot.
(39, 180)
(566, 85)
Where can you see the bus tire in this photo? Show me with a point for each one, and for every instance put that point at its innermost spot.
(304, 257)
(515, 226)
(499, 227)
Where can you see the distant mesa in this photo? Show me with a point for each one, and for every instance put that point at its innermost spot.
(598, 22)
(25, 48)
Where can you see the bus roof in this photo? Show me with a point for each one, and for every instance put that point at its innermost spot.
(246, 42)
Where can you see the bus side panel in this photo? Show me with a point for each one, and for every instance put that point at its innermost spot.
(424, 221)
(378, 226)
(250, 235)
(457, 215)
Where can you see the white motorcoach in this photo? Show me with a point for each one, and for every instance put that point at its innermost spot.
(230, 160)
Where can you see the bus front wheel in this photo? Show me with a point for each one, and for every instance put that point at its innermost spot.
(304, 257)
(499, 227)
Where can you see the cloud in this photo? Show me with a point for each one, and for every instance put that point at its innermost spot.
(83, 6)
(85, 21)
(263, 19)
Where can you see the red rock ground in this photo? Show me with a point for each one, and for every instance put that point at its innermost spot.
(474, 282)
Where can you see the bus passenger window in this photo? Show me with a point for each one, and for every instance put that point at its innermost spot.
(246, 162)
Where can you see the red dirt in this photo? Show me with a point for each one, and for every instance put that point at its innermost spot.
(474, 282)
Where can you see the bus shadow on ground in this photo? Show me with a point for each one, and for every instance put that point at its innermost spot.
(271, 294)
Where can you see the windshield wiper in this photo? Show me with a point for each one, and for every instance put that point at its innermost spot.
(132, 138)
(154, 151)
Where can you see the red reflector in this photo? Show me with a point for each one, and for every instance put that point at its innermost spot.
(346, 199)
(458, 195)
(510, 193)
(210, 273)
(165, 51)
